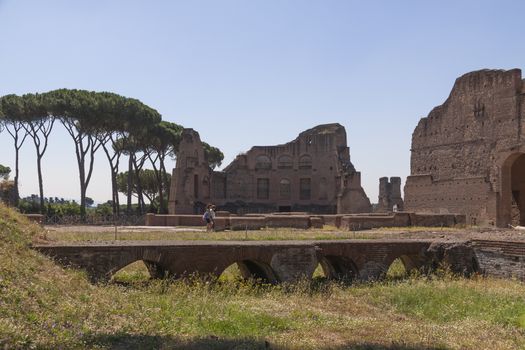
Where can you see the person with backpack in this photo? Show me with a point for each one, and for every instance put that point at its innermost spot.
(208, 216)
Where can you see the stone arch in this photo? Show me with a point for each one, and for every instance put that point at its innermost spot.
(254, 269)
(511, 198)
(305, 161)
(154, 270)
(263, 162)
(410, 263)
(339, 267)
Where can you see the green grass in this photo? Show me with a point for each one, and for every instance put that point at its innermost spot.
(450, 300)
(43, 306)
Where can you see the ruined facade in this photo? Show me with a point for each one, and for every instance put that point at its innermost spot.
(468, 155)
(389, 195)
(312, 173)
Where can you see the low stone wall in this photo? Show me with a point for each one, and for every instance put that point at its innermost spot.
(436, 220)
(36, 218)
(348, 222)
(400, 219)
(366, 222)
(292, 221)
(247, 223)
(331, 220)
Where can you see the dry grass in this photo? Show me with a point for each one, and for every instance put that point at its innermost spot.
(44, 306)
(129, 233)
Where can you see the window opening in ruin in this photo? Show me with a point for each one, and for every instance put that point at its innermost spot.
(263, 188)
(263, 162)
(285, 162)
(305, 188)
(323, 193)
(517, 209)
(285, 191)
(305, 162)
(196, 186)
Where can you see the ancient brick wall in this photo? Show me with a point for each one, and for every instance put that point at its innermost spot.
(458, 151)
(312, 173)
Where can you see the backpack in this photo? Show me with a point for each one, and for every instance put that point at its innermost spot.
(206, 215)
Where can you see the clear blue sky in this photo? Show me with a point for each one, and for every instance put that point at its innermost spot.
(247, 73)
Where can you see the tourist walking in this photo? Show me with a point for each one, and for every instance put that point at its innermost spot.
(212, 215)
(209, 217)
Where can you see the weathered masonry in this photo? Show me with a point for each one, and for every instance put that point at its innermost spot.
(389, 195)
(288, 261)
(312, 173)
(468, 155)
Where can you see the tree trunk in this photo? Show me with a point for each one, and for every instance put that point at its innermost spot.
(17, 194)
(40, 183)
(130, 181)
(114, 193)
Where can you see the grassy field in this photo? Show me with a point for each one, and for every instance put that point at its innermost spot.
(43, 306)
(125, 233)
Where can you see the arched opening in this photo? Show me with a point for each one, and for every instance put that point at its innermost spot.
(305, 162)
(263, 162)
(517, 181)
(397, 270)
(339, 268)
(231, 273)
(285, 162)
(319, 273)
(136, 272)
(256, 270)
(511, 200)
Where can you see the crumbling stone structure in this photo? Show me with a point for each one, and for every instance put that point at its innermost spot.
(312, 173)
(389, 195)
(468, 155)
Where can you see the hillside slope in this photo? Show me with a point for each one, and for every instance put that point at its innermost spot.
(39, 301)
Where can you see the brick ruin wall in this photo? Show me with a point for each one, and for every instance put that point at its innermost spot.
(458, 151)
(311, 173)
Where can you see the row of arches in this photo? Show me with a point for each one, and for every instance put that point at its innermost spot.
(329, 268)
(264, 162)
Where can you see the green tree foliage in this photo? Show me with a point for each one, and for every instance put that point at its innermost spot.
(7, 190)
(11, 109)
(53, 206)
(149, 186)
(161, 141)
(118, 124)
(213, 155)
(38, 124)
(4, 172)
(91, 118)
